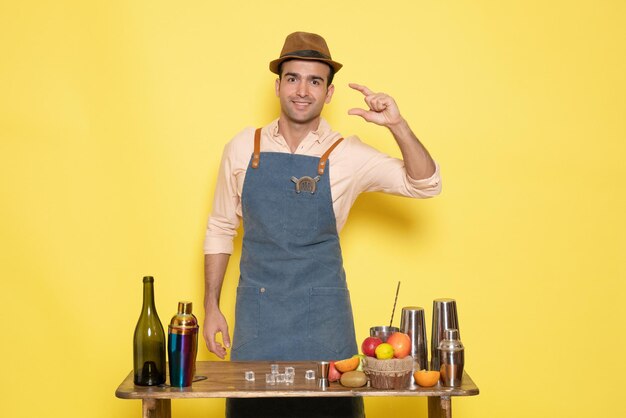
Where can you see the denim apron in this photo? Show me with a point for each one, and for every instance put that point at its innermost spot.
(292, 299)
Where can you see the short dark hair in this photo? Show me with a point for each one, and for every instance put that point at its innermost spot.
(331, 72)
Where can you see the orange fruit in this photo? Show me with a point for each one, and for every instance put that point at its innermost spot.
(401, 344)
(426, 378)
(348, 364)
(384, 351)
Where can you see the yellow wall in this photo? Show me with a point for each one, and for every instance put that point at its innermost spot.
(113, 115)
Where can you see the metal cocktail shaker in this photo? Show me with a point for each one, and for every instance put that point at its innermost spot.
(182, 346)
(444, 317)
(413, 324)
(452, 356)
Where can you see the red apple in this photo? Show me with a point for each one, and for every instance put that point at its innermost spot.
(333, 374)
(369, 346)
(401, 344)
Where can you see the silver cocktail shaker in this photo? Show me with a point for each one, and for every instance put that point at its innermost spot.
(452, 357)
(413, 324)
(444, 317)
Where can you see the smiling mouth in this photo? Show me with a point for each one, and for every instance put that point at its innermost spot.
(301, 105)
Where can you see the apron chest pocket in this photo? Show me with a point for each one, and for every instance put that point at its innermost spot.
(300, 213)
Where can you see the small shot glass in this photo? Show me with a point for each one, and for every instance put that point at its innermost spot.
(249, 376)
(274, 368)
(270, 378)
(309, 375)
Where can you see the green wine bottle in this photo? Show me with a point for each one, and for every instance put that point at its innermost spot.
(149, 341)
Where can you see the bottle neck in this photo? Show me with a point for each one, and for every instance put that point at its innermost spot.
(148, 298)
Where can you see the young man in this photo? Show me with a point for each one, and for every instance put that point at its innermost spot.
(293, 183)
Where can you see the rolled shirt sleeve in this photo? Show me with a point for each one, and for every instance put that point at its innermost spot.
(379, 172)
(428, 187)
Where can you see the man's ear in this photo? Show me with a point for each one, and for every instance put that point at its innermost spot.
(277, 86)
(329, 93)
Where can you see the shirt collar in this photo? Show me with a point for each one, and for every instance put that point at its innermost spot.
(322, 133)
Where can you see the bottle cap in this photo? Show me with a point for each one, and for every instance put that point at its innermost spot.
(184, 322)
(184, 307)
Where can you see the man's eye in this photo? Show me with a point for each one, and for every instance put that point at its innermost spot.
(315, 82)
(291, 79)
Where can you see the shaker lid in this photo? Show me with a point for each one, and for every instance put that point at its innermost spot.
(184, 307)
(184, 319)
(452, 334)
(451, 340)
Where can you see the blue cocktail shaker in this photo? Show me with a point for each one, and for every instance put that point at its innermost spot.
(182, 346)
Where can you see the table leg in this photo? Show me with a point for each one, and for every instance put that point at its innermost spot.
(157, 408)
(439, 407)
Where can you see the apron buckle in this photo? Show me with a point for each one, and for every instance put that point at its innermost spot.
(306, 183)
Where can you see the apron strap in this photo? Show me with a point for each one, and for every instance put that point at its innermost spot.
(257, 149)
(321, 166)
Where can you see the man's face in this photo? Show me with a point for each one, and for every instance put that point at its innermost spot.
(303, 90)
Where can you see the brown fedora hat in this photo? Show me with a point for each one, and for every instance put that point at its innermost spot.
(304, 46)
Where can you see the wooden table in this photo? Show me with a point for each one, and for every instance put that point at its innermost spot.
(225, 379)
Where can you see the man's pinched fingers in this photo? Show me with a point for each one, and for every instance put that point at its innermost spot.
(361, 88)
(358, 112)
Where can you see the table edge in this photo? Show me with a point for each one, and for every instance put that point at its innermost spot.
(127, 390)
(366, 392)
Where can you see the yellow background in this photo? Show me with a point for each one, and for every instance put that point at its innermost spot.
(113, 115)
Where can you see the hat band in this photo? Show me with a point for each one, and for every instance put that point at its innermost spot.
(306, 53)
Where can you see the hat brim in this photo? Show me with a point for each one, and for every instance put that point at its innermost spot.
(276, 63)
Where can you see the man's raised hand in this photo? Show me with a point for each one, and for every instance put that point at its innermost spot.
(383, 110)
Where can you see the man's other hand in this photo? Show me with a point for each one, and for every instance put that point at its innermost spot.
(215, 323)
